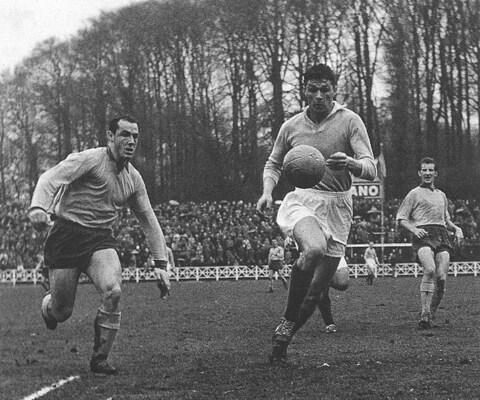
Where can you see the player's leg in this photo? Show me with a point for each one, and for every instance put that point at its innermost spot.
(442, 260)
(339, 281)
(325, 307)
(57, 303)
(45, 283)
(270, 280)
(427, 285)
(106, 273)
(318, 289)
(313, 244)
(282, 277)
(370, 271)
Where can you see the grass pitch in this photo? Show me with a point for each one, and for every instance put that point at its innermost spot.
(211, 340)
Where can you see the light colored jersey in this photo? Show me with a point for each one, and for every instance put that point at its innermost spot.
(90, 189)
(276, 254)
(424, 206)
(342, 130)
(370, 253)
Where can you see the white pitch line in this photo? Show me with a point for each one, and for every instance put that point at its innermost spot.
(53, 386)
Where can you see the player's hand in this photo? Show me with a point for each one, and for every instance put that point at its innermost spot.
(420, 233)
(338, 161)
(39, 218)
(164, 284)
(263, 202)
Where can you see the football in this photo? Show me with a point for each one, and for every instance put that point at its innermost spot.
(304, 166)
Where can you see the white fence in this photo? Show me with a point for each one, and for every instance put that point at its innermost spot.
(235, 272)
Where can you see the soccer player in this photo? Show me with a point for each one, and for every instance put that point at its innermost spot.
(319, 217)
(371, 262)
(424, 213)
(85, 191)
(276, 260)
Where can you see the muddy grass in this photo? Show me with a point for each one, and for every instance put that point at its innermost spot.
(211, 340)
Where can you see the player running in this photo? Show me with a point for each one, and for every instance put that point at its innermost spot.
(90, 187)
(424, 212)
(319, 217)
(371, 262)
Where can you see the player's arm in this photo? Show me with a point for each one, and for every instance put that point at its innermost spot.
(417, 232)
(362, 165)
(143, 210)
(273, 169)
(454, 228)
(51, 181)
(156, 243)
(153, 233)
(403, 216)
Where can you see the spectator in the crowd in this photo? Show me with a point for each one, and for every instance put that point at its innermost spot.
(228, 233)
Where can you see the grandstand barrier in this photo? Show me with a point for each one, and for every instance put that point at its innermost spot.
(237, 272)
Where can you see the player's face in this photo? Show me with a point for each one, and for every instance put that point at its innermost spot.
(320, 95)
(124, 140)
(427, 173)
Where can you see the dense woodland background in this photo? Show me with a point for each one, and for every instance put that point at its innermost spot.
(211, 81)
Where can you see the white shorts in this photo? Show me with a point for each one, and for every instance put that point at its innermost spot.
(371, 266)
(342, 264)
(332, 210)
(158, 273)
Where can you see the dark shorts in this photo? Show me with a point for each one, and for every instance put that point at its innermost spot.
(438, 239)
(275, 265)
(70, 245)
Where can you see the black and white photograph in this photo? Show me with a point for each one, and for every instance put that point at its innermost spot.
(239, 199)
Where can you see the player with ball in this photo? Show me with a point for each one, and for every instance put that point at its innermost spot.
(319, 211)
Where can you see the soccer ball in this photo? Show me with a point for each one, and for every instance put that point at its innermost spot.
(304, 166)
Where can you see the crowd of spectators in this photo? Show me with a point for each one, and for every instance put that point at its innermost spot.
(230, 233)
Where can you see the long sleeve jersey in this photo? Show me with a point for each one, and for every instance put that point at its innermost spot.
(342, 130)
(88, 188)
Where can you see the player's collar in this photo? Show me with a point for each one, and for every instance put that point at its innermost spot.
(336, 107)
(424, 186)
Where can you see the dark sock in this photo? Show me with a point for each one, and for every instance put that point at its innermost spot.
(316, 292)
(437, 294)
(325, 307)
(299, 284)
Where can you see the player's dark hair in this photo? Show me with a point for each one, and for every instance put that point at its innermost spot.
(113, 124)
(426, 160)
(319, 72)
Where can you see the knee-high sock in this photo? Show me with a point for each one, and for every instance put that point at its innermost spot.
(299, 284)
(426, 291)
(325, 307)
(437, 294)
(106, 326)
(317, 290)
